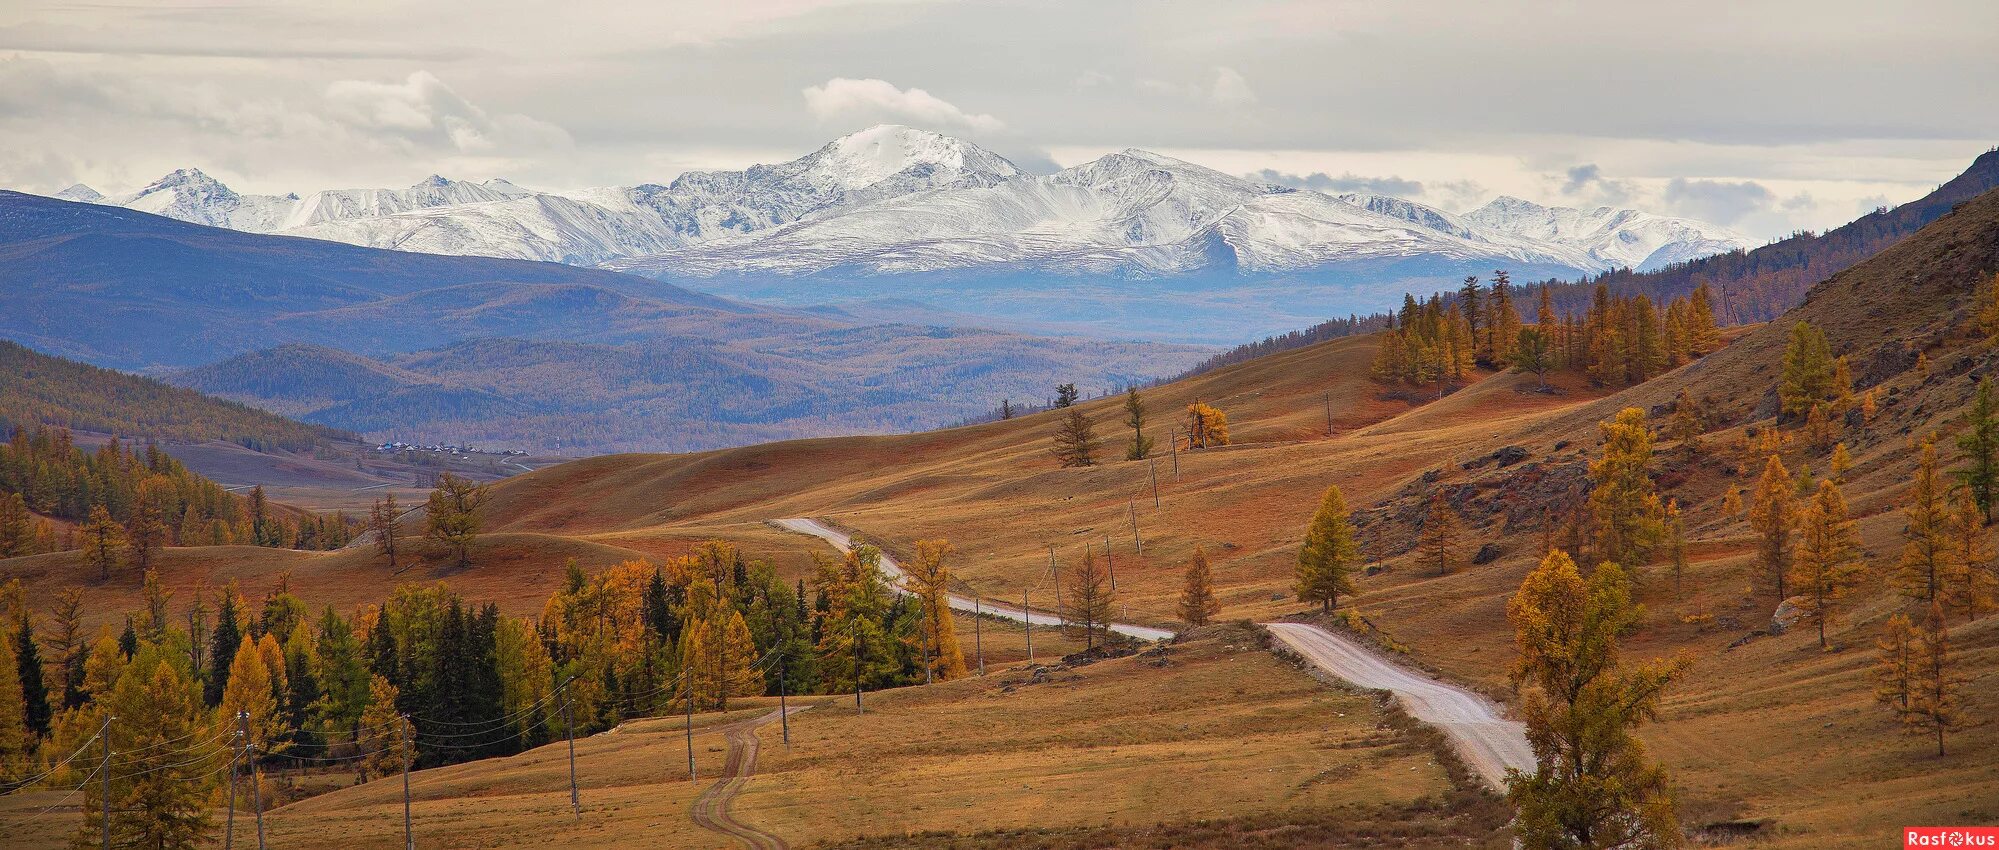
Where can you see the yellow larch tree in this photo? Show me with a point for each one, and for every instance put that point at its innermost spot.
(1330, 555)
(1197, 596)
(1773, 513)
(929, 579)
(1624, 504)
(1828, 566)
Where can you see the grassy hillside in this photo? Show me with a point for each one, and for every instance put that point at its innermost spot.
(36, 388)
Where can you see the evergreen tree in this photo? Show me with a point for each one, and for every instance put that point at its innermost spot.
(1978, 448)
(28, 670)
(1075, 439)
(342, 674)
(452, 516)
(1828, 562)
(1936, 700)
(69, 645)
(1595, 786)
(1807, 377)
(1329, 556)
(1772, 513)
(1440, 535)
(1134, 418)
(1926, 552)
(1534, 352)
(224, 642)
(103, 541)
(1197, 596)
(1624, 505)
(1066, 395)
(930, 580)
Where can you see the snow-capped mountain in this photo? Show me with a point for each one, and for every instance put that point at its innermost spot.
(892, 200)
(1613, 237)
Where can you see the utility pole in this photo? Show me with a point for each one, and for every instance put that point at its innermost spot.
(923, 639)
(783, 714)
(1027, 618)
(858, 640)
(1110, 564)
(1152, 466)
(687, 688)
(1056, 574)
(235, 756)
(1174, 449)
(569, 731)
(978, 635)
(409, 755)
(1137, 545)
(105, 768)
(1329, 414)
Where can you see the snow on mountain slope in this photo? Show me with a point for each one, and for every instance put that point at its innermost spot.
(1613, 237)
(79, 192)
(189, 195)
(549, 228)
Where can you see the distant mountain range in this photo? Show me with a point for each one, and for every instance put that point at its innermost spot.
(503, 353)
(1130, 244)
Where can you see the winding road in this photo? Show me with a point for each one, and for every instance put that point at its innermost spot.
(711, 809)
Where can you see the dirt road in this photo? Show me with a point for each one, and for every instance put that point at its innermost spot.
(711, 809)
(845, 542)
(1487, 741)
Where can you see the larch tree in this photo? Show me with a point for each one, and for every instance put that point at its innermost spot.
(16, 744)
(1676, 544)
(1936, 703)
(251, 690)
(1206, 426)
(1807, 377)
(160, 789)
(1972, 588)
(17, 533)
(452, 515)
(147, 531)
(1534, 351)
(1985, 311)
(1687, 423)
(103, 541)
(1839, 464)
(386, 737)
(930, 579)
(1828, 564)
(1895, 665)
(1090, 599)
(382, 521)
(1624, 504)
(1134, 418)
(1439, 543)
(1198, 605)
(1595, 787)
(1075, 439)
(1978, 448)
(1731, 502)
(1927, 554)
(1773, 515)
(1330, 556)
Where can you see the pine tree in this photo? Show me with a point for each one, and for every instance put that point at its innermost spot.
(1624, 504)
(103, 541)
(452, 516)
(69, 646)
(1773, 513)
(1936, 701)
(1090, 599)
(1978, 448)
(1075, 439)
(27, 667)
(1198, 605)
(930, 579)
(1534, 352)
(1828, 562)
(223, 643)
(1895, 665)
(1595, 787)
(1440, 535)
(1329, 556)
(1927, 557)
(1066, 395)
(382, 522)
(1807, 378)
(1134, 417)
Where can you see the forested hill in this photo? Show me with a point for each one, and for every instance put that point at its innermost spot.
(38, 389)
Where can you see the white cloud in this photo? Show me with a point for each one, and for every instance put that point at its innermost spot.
(422, 109)
(1230, 89)
(846, 99)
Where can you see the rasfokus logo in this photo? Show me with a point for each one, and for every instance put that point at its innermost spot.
(1950, 836)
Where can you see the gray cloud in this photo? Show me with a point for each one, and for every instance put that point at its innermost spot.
(1586, 183)
(1717, 201)
(1348, 182)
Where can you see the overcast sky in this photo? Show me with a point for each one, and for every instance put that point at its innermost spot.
(1766, 116)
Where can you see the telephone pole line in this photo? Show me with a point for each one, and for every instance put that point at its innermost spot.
(858, 650)
(1137, 545)
(409, 755)
(1055, 573)
(256, 778)
(687, 688)
(235, 758)
(1027, 618)
(978, 635)
(1173, 448)
(783, 714)
(569, 731)
(105, 733)
(1110, 564)
(1152, 466)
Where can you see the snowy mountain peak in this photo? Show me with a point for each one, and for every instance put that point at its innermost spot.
(1613, 237)
(505, 187)
(79, 192)
(865, 158)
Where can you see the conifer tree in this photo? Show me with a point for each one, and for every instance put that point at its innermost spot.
(1895, 665)
(1773, 513)
(1134, 418)
(1624, 504)
(1985, 312)
(1927, 555)
(16, 743)
(1936, 701)
(1090, 599)
(69, 646)
(1978, 448)
(147, 531)
(103, 541)
(1595, 787)
(1703, 335)
(169, 762)
(382, 521)
(386, 735)
(930, 579)
(224, 642)
(1820, 431)
(1206, 426)
(452, 516)
(1840, 463)
(1687, 423)
(17, 534)
(27, 666)
(1828, 562)
(1066, 395)
(1971, 586)
(1329, 556)
(1807, 377)
(1440, 535)
(1198, 605)
(250, 691)
(1676, 544)
(1075, 439)
(1534, 352)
